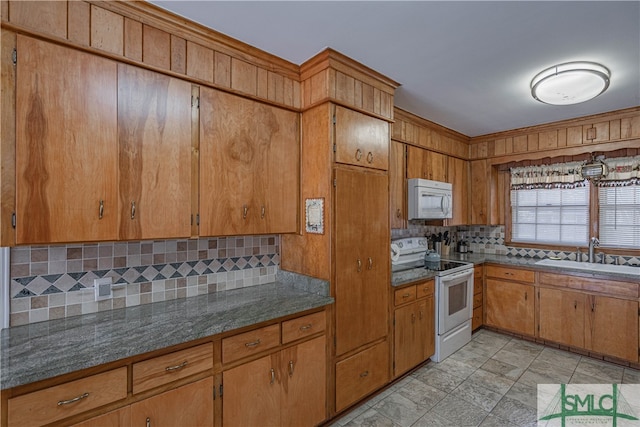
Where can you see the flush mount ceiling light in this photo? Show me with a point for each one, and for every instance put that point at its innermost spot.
(570, 83)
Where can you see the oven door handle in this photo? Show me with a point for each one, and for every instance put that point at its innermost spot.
(452, 277)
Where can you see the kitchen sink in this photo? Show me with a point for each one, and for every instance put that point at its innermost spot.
(591, 266)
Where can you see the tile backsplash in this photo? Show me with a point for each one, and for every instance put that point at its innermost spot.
(51, 282)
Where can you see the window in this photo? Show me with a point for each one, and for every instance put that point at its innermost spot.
(620, 216)
(550, 215)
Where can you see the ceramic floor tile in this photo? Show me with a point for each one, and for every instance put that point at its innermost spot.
(399, 409)
(513, 358)
(481, 349)
(351, 415)
(431, 419)
(479, 396)
(524, 394)
(469, 357)
(516, 412)
(494, 421)
(559, 357)
(491, 381)
(631, 376)
(439, 379)
(371, 418)
(582, 378)
(422, 394)
(460, 412)
(600, 369)
(456, 367)
(502, 368)
(560, 373)
(524, 348)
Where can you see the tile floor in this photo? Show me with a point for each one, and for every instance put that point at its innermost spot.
(489, 382)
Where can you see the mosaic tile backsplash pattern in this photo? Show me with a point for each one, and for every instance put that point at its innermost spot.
(51, 282)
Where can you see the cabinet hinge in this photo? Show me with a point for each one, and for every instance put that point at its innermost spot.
(335, 182)
(195, 101)
(335, 148)
(14, 220)
(334, 119)
(221, 390)
(198, 220)
(14, 56)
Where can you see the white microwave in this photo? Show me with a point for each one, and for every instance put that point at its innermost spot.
(429, 199)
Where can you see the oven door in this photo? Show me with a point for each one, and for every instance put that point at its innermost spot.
(455, 300)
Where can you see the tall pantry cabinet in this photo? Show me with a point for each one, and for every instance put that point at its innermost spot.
(347, 110)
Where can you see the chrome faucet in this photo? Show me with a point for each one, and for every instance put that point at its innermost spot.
(593, 243)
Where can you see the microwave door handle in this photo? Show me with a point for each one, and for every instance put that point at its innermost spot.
(446, 203)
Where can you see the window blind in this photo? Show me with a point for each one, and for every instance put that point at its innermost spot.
(550, 215)
(620, 216)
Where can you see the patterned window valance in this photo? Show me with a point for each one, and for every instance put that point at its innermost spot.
(621, 171)
(559, 175)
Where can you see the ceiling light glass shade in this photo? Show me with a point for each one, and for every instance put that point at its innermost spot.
(570, 83)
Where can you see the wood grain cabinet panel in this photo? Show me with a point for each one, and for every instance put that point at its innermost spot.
(479, 204)
(613, 327)
(458, 176)
(250, 343)
(361, 140)
(304, 326)
(68, 399)
(154, 136)
(426, 164)
(397, 185)
(188, 405)
(249, 166)
(510, 306)
(118, 418)
(287, 388)
(562, 316)
(361, 259)
(66, 145)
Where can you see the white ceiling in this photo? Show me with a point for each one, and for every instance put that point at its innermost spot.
(464, 65)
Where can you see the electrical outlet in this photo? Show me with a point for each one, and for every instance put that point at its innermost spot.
(103, 288)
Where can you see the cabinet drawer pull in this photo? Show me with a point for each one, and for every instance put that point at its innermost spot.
(291, 367)
(306, 327)
(364, 374)
(358, 154)
(148, 422)
(370, 157)
(133, 210)
(359, 265)
(253, 343)
(413, 318)
(75, 399)
(370, 267)
(245, 209)
(405, 296)
(420, 316)
(273, 376)
(526, 295)
(398, 214)
(176, 367)
(101, 209)
(262, 212)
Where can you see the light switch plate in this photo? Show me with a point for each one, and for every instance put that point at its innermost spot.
(103, 288)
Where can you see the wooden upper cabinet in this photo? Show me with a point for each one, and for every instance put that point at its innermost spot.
(154, 136)
(361, 140)
(458, 173)
(397, 185)
(479, 193)
(249, 166)
(66, 145)
(426, 164)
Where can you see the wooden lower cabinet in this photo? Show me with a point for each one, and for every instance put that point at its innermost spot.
(414, 328)
(562, 316)
(189, 405)
(286, 388)
(478, 298)
(361, 374)
(510, 306)
(613, 327)
(118, 418)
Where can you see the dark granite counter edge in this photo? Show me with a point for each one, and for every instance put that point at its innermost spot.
(401, 279)
(45, 350)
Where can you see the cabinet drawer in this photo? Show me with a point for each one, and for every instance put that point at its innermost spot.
(477, 300)
(64, 400)
(408, 294)
(252, 342)
(476, 321)
(361, 374)
(511, 274)
(477, 273)
(303, 326)
(425, 289)
(171, 367)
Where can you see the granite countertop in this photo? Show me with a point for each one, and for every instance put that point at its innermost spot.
(416, 274)
(44, 350)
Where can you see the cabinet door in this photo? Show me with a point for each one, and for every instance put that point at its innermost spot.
(435, 165)
(304, 374)
(397, 186)
(154, 136)
(66, 144)
(361, 258)
(614, 327)
(562, 316)
(252, 393)
(407, 349)
(361, 140)
(427, 326)
(118, 418)
(414, 161)
(510, 306)
(249, 166)
(479, 189)
(189, 405)
(458, 176)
